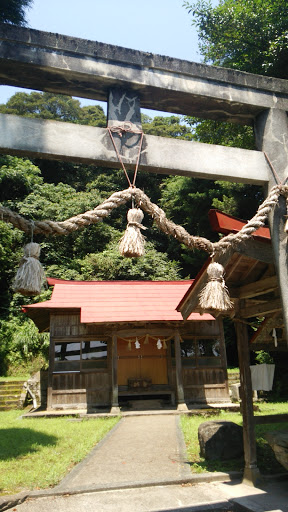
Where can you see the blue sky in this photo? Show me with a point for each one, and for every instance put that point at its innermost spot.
(157, 26)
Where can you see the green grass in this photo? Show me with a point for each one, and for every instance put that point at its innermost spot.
(233, 370)
(17, 378)
(38, 453)
(271, 408)
(266, 460)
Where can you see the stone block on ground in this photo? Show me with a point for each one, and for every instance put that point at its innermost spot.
(220, 440)
(278, 441)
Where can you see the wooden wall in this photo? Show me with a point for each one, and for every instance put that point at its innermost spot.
(93, 388)
(205, 385)
(80, 390)
(83, 389)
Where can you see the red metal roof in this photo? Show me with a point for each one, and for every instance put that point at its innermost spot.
(223, 223)
(118, 301)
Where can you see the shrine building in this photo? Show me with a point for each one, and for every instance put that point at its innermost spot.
(111, 341)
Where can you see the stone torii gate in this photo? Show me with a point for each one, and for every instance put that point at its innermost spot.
(128, 79)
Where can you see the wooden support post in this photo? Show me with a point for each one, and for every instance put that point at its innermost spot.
(50, 372)
(114, 377)
(271, 129)
(223, 354)
(181, 405)
(251, 472)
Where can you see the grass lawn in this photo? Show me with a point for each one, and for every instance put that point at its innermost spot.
(265, 455)
(17, 378)
(37, 453)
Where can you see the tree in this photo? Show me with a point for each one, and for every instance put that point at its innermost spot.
(171, 126)
(44, 106)
(248, 35)
(13, 11)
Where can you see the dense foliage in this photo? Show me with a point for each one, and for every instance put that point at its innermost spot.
(248, 35)
(13, 11)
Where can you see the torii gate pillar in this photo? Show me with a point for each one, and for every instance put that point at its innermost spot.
(271, 130)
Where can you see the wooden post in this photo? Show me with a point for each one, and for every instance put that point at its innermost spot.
(251, 472)
(114, 377)
(223, 353)
(181, 405)
(50, 370)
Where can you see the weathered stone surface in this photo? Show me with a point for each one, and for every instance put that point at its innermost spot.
(220, 440)
(271, 130)
(87, 144)
(124, 112)
(278, 441)
(68, 65)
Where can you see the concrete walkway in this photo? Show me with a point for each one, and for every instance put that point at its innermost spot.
(139, 450)
(141, 466)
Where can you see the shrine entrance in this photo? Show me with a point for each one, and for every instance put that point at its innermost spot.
(142, 367)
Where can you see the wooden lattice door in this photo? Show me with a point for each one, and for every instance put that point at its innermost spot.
(147, 362)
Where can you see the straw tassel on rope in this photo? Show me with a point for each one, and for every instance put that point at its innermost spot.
(132, 243)
(215, 295)
(30, 275)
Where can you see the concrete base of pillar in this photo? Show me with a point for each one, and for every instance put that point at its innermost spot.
(115, 409)
(182, 407)
(252, 476)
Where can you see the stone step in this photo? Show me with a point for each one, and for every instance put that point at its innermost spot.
(12, 407)
(4, 398)
(9, 403)
(13, 390)
(10, 393)
(12, 383)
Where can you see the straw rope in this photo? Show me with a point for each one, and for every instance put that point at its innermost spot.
(48, 227)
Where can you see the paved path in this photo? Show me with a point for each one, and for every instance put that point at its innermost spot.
(204, 497)
(138, 450)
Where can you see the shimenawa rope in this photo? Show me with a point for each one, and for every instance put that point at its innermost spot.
(48, 227)
(192, 242)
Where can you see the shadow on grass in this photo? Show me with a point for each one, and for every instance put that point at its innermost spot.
(225, 466)
(16, 442)
(266, 462)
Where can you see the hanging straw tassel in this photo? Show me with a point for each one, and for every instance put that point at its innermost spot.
(132, 243)
(30, 275)
(215, 295)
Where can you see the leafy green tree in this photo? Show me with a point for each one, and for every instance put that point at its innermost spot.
(110, 265)
(18, 177)
(13, 11)
(44, 106)
(171, 126)
(249, 35)
(221, 133)
(93, 115)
